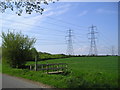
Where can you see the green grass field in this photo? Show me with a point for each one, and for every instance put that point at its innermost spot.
(85, 72)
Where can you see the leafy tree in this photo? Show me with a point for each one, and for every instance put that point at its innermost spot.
(28, 7)
(16, 48)
(34, 53)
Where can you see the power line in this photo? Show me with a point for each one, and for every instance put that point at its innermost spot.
(107, 42)
(45, 22)
(60, 24)
(93, 47)
(40, 28)
(49, 35)
(66, 22)
(59, 20)
(36, 32)
(112, 51)
(32, 25)
(106, 39)
(51, 44)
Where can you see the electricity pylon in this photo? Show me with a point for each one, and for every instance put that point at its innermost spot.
(93, 47)
(69, 44)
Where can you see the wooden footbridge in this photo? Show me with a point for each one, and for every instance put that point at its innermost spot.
(54, 68)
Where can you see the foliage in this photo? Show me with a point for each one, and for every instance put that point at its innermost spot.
(46, 56)
(28, 6)
(34, 53)
(16, 48)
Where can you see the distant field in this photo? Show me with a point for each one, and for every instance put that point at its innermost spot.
(86, 72)
(85, 64)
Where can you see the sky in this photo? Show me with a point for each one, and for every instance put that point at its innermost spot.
(51, 28)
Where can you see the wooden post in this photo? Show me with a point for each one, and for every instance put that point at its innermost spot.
(30, 67)
(43, 68)
(58, 68)
(35, 63)
(53, 66)
(66, 67)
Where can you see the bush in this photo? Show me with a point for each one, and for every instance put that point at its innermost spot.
(16, 48)
(77, 82)
(96, 81)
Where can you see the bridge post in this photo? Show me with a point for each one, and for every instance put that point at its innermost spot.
(35, 63)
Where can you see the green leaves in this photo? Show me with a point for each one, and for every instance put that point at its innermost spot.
(16, 48)
(28, 7)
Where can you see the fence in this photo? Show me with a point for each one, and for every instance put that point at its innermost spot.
(51, 68)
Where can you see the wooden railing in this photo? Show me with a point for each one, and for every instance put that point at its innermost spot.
(51, 68)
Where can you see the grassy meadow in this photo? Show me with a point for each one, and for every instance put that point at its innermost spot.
(90, 72)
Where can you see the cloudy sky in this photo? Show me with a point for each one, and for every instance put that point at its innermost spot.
(51, 28)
